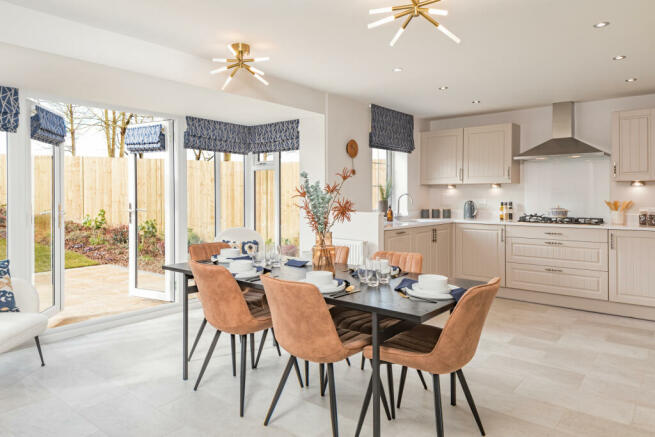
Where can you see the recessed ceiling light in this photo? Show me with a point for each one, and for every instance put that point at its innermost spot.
(601, 24)
(619, 58)
(397, 70)
(476, 102)
(631, 79)
(443, 88)
(637, 183)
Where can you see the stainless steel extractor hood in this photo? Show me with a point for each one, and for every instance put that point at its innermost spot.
(563, 144)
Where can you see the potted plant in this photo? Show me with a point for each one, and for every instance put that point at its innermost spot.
(385, 192)
(323, 207)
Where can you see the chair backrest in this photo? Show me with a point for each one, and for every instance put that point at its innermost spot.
(222, 301)
(411, 262)
(341, 254)
(301, 320)
(241, 234)
(461, 334)
(203, 251)
(27, 298)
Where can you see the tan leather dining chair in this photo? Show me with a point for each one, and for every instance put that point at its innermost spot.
(305, 329)
(227, 311)
(442, 351)
(411, 262)
(341, 254)
(204, 251)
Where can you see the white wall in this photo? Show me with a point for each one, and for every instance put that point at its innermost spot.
(581, 186)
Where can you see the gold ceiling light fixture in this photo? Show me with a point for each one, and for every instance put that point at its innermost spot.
(415, 9)
(241, 60)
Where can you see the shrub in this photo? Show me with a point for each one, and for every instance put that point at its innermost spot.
(192, 237)
(96, 223)
(97, 240)
(120, 234)
(149, 229)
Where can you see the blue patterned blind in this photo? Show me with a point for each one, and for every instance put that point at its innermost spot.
(149, 138)
(9, 109)
(219, 136)
(48, 127)
(391, 130)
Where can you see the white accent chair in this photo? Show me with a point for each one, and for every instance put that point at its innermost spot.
(27, 324)
(241, 234)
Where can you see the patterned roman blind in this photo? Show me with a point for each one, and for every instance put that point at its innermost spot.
(47, 127)
(9, 109)
(219, 136)
(149, 138)
(391, 130)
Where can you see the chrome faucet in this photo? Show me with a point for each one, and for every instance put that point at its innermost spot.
(411, 202)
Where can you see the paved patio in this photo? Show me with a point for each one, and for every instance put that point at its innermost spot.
(96, 291)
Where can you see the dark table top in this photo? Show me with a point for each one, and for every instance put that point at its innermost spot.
(382, 299)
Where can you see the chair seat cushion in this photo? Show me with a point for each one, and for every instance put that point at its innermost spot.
(353, 341)
(360, 321)
(17, 328)
(409, 348)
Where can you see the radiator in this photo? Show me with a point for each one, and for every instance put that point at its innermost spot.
(356, 250)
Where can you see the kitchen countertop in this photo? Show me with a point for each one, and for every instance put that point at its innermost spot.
(417, 223)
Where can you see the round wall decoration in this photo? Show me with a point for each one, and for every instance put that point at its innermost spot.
(352, 149)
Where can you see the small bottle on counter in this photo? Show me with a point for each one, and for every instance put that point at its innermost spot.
(643, 217)
(510, 212)
(389, 214)
(502, 211)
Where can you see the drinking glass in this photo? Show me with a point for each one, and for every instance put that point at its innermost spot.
(384, 271)
(361, 273)
(259, 258)
(371, 273)
(275, 256)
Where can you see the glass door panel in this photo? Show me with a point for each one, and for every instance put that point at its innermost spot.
(201, 196)
(3, 195)
(231, 167)
(289, 212)
(265, 205)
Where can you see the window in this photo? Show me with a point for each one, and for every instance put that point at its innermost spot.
(232, 191)
(201, 196)
(380, 173)
(290, 222)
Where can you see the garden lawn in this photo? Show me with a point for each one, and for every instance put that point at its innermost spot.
(42, 257)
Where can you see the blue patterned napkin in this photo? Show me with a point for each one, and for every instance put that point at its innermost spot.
(405, 283)
(296, 263)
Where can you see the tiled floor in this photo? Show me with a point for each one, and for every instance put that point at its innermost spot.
(539, 371)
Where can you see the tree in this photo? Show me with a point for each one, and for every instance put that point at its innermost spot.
(78, 118)
(114, 124)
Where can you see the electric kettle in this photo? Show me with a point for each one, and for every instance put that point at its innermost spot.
(470, 209)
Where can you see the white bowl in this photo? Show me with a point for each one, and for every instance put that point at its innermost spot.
(240, 266)
(319, 278)
(230, 252)
(435, 283)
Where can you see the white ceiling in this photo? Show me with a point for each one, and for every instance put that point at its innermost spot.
(514, 53)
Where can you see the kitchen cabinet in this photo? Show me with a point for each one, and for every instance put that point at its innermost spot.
(591, 284)
(556, 253)
(631, 272)
(443, 251)
(398, 240)
(488, 154)
(433, 242)
(479, 252)
(441, 157)
(633, 148)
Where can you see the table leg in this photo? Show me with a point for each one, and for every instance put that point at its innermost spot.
(376, 374)
(185, 327)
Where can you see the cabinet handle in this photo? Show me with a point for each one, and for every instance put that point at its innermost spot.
(548, 269)
(612, 241)
(400, 232)
(461, 174)
(509, 170)
(502, 235)
(553, 233)
(553, 243)
(614, 169)
(434, 235)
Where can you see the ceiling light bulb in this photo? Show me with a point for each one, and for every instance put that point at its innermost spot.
(261, 79)
(380, 11)
(229, 47)
(619, 57)
(262, 59)
(449, 34)
(218, 70)
(396, 36)
(631, 79)
(385, 20)
(443, 88)
(257, 70)
(219, 60)
(601, 24)
(397, 70)
(441, 12)
(637, 183)
(227, 81)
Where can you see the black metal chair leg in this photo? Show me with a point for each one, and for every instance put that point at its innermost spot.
(333, 400)
(401, 386)
(275, 343)
(295, 366)
(252, 350)
(242, 375)
(437, 405)
(363, 361)
(365, 404)
(420, 375)
(469, 399)
(348, 361)
(210, 352)
(453, 389)
(234, 354)
(38, 348)
(198, 335)
(280, 387)
(261, 346)
(306, 373)
(390, 383)
(321, 370)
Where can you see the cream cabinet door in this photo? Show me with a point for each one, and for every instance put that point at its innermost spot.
(591, 284)
(424, 242)
(398, 241)
(632, 145)
(480, 252)
(556, 253)
(443, 251)
(632, 267)
(441, 157)
(488, 154)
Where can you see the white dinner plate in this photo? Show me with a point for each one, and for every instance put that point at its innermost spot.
(417, 291)
(246, 275)
(330, 289)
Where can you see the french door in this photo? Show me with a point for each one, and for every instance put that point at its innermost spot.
(264, 197)
(151, 217)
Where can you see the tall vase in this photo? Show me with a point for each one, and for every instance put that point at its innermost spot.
(323, 253)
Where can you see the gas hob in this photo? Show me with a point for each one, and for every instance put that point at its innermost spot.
(536, 218)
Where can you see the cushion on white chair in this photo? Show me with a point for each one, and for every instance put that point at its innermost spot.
(18, 328)
(241, 234)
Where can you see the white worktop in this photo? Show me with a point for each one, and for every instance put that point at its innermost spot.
(416, 223)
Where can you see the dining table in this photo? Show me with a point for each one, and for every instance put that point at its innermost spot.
(380, 301)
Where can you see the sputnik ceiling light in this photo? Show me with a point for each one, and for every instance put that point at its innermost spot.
(415, 9)
(241, 60)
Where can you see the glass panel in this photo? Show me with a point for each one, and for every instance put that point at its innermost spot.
(265, 157)
(201, 196)
(290, 214)
(150, 220)
(378, 174)
(42, 205)
(265, 204)
(231, 190)
(3, 195)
